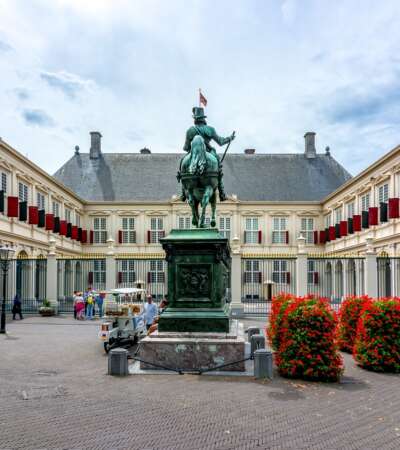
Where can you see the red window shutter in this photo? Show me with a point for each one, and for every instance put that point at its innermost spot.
(287, 277)
(90, 278)
(393, 208)
(33, 213)
(357, 222)
(149, 277)
(287, 237)
(119, 277)
(84, 236)
(63, 227)
(332, 233)
(343, 228)
(322, 237)
(315, 237)
(91, 236)
(49, 222)
(315, 277)
(259, 236)
(260, 277)
(74, 232)
(148, 236)
(119, 236)
(12, 207)
(373, 215)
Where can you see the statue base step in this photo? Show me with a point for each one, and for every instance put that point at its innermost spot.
(192, 320)
(191, 351)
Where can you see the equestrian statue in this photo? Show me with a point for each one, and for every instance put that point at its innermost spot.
(201, 169)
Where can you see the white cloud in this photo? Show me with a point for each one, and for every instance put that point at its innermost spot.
(132, 70)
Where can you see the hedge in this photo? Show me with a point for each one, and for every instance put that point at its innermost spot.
(377, 344)
(278, 307)
(307, 344)
(349, 314)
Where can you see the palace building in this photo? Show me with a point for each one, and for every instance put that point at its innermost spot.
(101, 215)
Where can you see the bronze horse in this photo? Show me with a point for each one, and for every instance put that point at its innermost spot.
(199, 177)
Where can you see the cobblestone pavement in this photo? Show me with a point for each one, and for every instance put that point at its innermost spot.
(55, 394)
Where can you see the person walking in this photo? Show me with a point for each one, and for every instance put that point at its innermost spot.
(17, 307)
(89, 306)
(74, 302)
(99, 302)
(150, 312)
(80, 306)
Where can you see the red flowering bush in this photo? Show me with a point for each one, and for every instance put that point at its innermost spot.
(307, 347)
(348, 318)
(278, 307)
(377, 344)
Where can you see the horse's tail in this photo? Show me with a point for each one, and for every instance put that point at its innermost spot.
(198, 158)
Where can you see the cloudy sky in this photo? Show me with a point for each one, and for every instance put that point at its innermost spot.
(270, 69)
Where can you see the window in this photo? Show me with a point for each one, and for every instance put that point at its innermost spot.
(157, 274)
(280, 274)
(251, 230)
(67, 215)
(22, 192)
(77, 219)
(128, 273)
(128, 230)
(350, 210)
(365, 202)
(99, 271)
(383, 193)
(56, 209)
(279, 235)
(338, 215)
(312, 275)
(100, 230)
(327, 221)
(40, 200)
(156, 229)
(307, 229)
(4, 182)
(225, 227)
(184, 222)
(252, 272)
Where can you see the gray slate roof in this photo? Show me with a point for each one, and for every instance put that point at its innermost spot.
(152, 177)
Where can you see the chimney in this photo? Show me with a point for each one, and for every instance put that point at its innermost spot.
(249, 151)
(95, 144)
(310, 150)
(145, 151)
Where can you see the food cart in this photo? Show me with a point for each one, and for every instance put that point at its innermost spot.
(122, 321)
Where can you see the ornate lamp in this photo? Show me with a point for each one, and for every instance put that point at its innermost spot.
(6, 254)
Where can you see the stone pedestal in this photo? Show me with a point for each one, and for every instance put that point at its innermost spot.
(199, 266)
(194, 351)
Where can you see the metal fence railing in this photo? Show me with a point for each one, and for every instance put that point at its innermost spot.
(263, 278)
(26, 277)
(150, 274)
(78, 274)
(335, 278)
(388, 270)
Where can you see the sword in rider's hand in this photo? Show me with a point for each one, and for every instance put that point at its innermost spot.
(229, 143)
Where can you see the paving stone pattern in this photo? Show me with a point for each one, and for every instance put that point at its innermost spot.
(55, 394)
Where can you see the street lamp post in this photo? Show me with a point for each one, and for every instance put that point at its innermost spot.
(5, 254)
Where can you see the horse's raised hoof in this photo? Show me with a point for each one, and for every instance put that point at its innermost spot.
(195, 222)
(213, 223)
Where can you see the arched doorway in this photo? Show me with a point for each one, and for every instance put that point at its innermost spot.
(351, 278)
(339, 280)
(328, 280)
(22, 276)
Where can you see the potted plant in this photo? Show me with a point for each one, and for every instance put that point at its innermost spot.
(46, 309)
